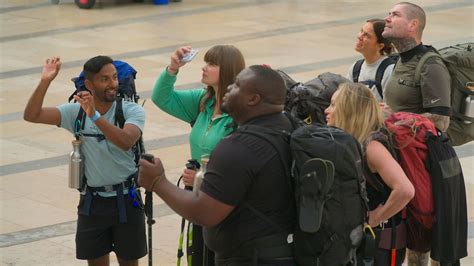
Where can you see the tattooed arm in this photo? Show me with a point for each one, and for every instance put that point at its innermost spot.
(441, 121)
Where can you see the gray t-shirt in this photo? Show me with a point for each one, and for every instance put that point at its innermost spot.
(104, 162)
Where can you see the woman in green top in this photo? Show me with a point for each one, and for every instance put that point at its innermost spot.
(200, 107)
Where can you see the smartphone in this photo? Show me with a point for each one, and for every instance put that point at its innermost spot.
(189, 56)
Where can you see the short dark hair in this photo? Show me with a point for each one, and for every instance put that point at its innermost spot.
(379, 25)
(94, 65)
(269, 84)
(415, 12)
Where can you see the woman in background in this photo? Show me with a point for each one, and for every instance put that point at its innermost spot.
(375, 49)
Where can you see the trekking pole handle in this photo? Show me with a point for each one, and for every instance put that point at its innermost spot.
(192, 165)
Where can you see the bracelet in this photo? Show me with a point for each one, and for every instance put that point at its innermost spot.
(157, 179)
(95, 116)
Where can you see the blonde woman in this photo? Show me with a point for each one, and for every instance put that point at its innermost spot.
(354, 109)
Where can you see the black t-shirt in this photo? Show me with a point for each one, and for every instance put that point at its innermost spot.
(377, 191)
(246, 169)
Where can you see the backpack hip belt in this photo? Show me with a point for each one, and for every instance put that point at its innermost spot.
(268, 247)
(89, 192)
(387, 238)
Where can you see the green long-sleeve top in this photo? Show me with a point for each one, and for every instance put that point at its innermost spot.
(184, 105)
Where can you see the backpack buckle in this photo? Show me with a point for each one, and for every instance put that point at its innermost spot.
(382, 224)
(109, 188)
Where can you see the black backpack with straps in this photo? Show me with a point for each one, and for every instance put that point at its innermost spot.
(326, 176)
(390, 60)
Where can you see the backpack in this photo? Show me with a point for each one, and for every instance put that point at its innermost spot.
(409, 132)
(329, 187)
(308, 101)
(450, 231)
(459, 60)
(390, 60)
(126, 91)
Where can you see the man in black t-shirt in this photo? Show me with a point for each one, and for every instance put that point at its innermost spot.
(245, 204)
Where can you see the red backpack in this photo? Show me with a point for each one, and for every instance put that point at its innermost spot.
(409, 134)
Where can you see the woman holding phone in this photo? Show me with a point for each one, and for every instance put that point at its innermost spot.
(201, 107)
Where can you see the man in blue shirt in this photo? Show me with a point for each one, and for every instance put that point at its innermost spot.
(107, 219)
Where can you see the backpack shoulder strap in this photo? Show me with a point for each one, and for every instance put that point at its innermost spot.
(263, 133)
(119, 116)
(380, 71)
(356, 70)
(139, 147)
(422, 61)
(79, 123)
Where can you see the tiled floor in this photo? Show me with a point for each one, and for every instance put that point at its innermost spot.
(304, 38)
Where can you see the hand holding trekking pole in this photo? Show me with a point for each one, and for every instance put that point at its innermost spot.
(188, 176)
(150, 173)
(51, 69)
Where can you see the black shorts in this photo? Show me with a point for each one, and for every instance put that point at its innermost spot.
(100, 233)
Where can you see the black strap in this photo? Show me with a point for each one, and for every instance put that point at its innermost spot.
(138, 148)
(265, 218)
(262, 133)
(380, 71)
(119, 117)
(368, 248)
(270, 247)
(356, 70)
(79, 123)
(118, 188)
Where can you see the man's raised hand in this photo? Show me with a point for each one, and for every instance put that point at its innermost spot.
(51, 69)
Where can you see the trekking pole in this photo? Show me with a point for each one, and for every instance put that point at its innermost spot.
(149, 214)
(181, 235)
(150, 221)
(393, 243)
(194, 165)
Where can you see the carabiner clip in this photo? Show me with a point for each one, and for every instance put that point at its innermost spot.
(367, 226)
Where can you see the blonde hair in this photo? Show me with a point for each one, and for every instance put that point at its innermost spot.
(357, 111)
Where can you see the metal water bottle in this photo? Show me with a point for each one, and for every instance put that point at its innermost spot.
(468, 107)
(200, 174)
(76, 166)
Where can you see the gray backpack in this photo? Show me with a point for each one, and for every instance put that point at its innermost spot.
(307, 101)
(459, 60)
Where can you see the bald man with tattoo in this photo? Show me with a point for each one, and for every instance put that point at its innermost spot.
(430, 95)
